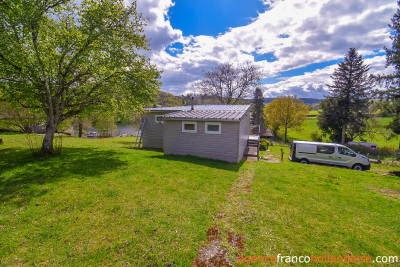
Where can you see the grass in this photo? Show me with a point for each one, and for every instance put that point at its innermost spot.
(104, 203)
(301, 209)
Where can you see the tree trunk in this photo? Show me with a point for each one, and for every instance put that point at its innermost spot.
(47, 145)
(343, 134)
(285, 134)
(80, 129)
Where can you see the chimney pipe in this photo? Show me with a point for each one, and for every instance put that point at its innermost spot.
(192, 103)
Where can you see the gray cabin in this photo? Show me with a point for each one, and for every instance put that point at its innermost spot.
(209, 131)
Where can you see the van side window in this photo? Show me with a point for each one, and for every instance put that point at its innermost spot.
(326, 149)
(346, 152)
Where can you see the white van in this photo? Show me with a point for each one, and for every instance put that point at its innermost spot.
(327, 153)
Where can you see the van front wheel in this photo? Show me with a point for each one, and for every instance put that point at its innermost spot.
(304, 161)
(358, 167)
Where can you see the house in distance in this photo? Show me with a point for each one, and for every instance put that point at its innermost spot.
(209, 131)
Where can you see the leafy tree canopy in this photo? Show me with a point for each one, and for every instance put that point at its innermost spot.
(287, 112)
(64, 57)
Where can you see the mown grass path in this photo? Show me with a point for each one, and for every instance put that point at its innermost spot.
(224, 243)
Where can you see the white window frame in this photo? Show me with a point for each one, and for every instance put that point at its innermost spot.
(212, 123)
(157, 116)
(189, 122)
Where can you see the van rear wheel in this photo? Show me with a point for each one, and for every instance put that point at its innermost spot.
(304, 161)
(358, 167)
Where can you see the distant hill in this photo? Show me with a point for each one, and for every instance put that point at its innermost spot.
(306, 100)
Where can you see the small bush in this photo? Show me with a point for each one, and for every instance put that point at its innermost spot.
(264, 144)
(386, 151)
(316, 136)
(382, 152)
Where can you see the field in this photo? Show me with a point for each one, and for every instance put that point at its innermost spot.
(103, 203)
(310, 125)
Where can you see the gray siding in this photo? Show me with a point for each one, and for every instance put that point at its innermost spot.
(222, 146)
(153, 131)
(243, 134)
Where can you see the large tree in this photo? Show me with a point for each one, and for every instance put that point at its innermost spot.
(346, 106)
(258, 104)
(287, 112)
(229, 83)
(63, 56)
(393, 80)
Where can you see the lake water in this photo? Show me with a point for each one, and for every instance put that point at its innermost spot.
(122, 129)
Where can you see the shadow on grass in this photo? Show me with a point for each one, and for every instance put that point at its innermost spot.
(20, 172)
(129, 144)
(201, 161)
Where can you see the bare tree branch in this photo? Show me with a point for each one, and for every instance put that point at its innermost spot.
(229, 83)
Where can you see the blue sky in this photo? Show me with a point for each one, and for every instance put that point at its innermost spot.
(297, 43)
(211, 17)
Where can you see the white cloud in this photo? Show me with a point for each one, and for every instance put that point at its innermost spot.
(158, 30)
(313, 84)
(314, 30)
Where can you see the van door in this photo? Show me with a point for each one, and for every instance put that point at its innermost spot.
(345, 157)
(326, 154)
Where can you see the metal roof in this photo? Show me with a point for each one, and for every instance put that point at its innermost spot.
(216, 115)
(203, 108)
(316, 143)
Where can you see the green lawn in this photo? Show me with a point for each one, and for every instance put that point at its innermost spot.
(310, 125)
(301, 209)
(104, 203)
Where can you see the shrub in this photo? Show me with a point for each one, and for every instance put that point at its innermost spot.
(386, 151)
(316, 136)
(264, 144)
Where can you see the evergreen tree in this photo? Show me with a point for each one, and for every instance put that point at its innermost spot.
(258, 102)
(344, 110)
(393, 80)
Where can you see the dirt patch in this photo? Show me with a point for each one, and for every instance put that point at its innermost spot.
(223, 246)
(393, 194)
(235, 240)
(213, 234)
(251, 159)
(271, 160)
(220, 215)
(213, 254)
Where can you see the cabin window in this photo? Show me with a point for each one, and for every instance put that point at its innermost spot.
(213, 128)
(326, 149)
(189, 127)
(158, 118)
